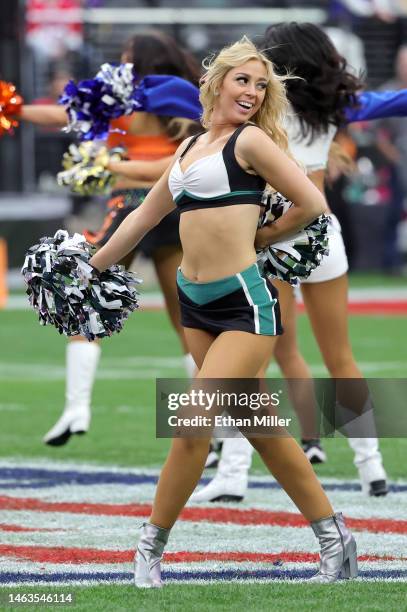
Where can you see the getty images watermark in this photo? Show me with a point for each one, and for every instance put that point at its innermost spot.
(211, 401)
(225, 404)
(304, 408)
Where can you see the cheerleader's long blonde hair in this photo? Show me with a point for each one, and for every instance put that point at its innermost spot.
(270, 115)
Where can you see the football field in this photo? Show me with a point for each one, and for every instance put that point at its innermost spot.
(70, 515)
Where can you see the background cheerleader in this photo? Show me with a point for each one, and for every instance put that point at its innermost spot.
(150, 141)
(321, 99)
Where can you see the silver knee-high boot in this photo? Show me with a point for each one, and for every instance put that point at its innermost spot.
(338, 550)
(150, 548)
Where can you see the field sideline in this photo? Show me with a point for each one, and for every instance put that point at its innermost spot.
(72, 513)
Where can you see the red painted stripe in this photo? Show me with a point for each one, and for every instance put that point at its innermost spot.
(212, 515)
(43, 554)
(373, 308)
(18, 528)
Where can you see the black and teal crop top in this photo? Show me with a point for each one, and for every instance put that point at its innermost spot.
(214, 180)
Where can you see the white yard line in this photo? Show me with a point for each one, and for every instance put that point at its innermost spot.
(155, 299)
(148, 368)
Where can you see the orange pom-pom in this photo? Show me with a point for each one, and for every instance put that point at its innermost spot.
(10, 105)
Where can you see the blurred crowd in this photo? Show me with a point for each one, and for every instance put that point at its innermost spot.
(372, 194)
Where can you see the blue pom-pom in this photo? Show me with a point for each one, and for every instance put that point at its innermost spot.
(93, 103)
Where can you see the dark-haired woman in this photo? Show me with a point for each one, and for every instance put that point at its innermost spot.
(150, 141)
(322, 99)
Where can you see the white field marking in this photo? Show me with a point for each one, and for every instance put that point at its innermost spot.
(156, 300)
(12, 407)
(378, 341)
(38, 372)
(124, 409)
(365, 366)
(72, 568)
(147, 300)
(97, 466)
(187, 583)
(360, 506)
(12, 565)
(392, 506)
(143, 361)
(55, 465)
(353, 503)
(120, 533)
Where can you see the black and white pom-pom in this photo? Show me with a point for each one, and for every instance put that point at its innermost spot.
(295, 258)
(73, 296)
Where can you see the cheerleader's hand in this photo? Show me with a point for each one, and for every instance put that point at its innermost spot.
(85, 273)
(263, 237)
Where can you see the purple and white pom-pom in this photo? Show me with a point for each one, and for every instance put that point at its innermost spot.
(73, 296)
(93, 103)
(293, 259)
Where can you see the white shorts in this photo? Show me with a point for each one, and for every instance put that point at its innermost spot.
(336, 263)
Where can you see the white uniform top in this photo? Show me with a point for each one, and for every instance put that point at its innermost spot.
(313, 156)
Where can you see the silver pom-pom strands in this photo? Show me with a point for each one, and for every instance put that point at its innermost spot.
(73, 296)
(293, 259)
(92, 103)
(121, 79)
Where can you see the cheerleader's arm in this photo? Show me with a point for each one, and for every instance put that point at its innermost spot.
(44, 114)
(263, 156)
(145, 171)
(157, 205)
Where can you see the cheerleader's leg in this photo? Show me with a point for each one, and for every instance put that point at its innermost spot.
(327, 307)
(282, 455)
(219, 358)
(298, 374)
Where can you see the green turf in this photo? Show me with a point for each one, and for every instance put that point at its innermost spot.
(123, 429)
(123, 433)
(342, 597)
(375, 279)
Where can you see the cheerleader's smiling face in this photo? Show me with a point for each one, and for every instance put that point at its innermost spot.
(242, 92)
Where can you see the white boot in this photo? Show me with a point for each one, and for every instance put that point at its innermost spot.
(81, 362)
(190, 365)
(230, 482)
(215, 447)
(368, 460)
(362, 437)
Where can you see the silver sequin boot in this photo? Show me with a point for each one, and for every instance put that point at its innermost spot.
(338, 550)
(150, 548)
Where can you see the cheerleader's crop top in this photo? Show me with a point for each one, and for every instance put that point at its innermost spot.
(214, 180)
(370, 105)
(312, 155)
